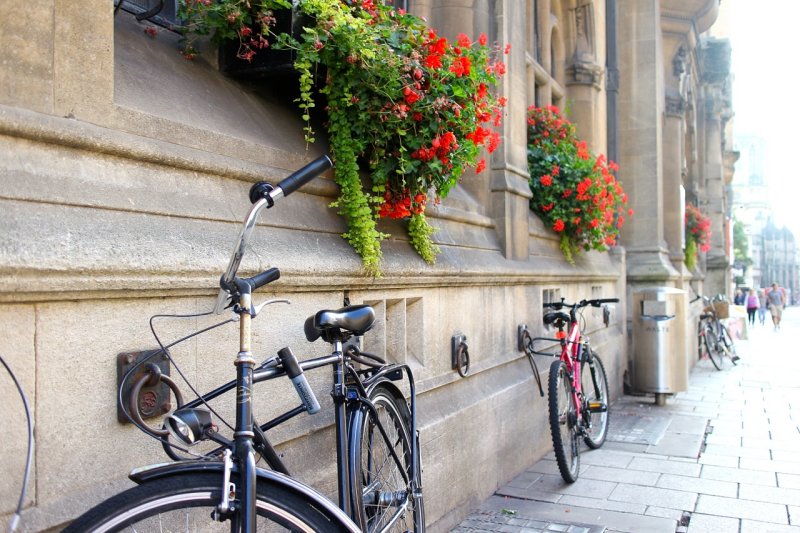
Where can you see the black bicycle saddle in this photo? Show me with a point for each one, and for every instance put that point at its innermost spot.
(340, 324)
(559, 318)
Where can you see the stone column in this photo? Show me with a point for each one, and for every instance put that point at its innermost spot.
(584, 76)
(714, 57)
(674, 146)
(509, 190)
(672, 142)
(717, 267)
(640, 142)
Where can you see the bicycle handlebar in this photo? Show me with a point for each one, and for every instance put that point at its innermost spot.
(596, 302)
(263, 196)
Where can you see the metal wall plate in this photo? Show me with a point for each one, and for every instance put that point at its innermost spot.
(153, 400)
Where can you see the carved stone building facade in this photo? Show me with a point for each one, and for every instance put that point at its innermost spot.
(125, 172)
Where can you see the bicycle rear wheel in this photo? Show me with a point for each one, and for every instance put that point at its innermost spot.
(563, 422)
(186, 502)
(383, 489)
(594, 384)
(711, 343)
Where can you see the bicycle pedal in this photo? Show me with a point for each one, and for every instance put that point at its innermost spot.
(597, 407)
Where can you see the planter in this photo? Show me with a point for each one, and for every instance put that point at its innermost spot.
(270, 62)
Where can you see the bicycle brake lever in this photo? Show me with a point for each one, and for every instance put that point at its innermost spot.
(254, 310)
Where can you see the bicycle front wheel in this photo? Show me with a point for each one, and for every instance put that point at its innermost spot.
(383, 487)
(730, 347)
(186, 503)
(563, 421)
(594, 385)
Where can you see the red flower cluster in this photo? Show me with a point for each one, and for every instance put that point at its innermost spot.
(573, 192)
(698, 227)
(402, 206)
(448, 103)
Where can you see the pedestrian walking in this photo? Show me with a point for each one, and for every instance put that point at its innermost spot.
(776, 299)
(762, 306)
(738, 297)
(752, 307)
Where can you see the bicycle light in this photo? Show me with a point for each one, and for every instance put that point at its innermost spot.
(189, 425)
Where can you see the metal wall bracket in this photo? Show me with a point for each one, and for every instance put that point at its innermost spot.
(154, 400)
(522, 332)
(460, 354)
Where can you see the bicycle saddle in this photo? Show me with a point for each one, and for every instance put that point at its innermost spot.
(353, 319)
(559, 318)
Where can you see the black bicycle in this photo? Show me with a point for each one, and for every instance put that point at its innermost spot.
(713, 337)
(223, 489)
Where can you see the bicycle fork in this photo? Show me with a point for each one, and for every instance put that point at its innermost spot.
(238, 500)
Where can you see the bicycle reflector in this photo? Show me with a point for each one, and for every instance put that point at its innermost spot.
(189, 425)
(561, 335)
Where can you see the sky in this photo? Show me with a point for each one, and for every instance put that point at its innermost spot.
(766, 93)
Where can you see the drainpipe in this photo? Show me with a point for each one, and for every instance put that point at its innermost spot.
(612, 79)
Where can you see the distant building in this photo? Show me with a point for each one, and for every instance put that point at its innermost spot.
(780, 263)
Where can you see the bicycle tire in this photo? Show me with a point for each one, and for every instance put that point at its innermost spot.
(563, 422)
(185, 502)
(712, 347)
(730, 346)
(383, 493)
(594, 384)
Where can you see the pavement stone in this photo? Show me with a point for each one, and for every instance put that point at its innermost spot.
(794, 515)
(720, 457)
(751, 526)
(665, 466)
(789, 481)
(673, 499)
(769, 494)
(703, 523)
(786, 467)
(701, 486)
(738, 508)
(722, 473)
(621, 475)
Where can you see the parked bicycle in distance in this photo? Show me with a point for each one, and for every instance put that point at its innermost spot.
(713, 337)
(577, 397)
(223, 489)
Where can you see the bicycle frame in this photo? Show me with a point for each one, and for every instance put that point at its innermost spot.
(571, 347)
(346, 399)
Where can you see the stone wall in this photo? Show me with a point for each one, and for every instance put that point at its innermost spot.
(125, 172)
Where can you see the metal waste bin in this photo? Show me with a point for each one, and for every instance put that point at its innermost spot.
(660, 341)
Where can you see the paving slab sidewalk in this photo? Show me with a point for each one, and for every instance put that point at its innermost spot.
(723, 456)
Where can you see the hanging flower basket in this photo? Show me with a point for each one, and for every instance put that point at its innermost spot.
(408, 111)
(574, 193)
(698, 235)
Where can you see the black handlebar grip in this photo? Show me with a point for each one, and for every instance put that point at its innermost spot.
(305, 174)
(607, 300)
(259, 280)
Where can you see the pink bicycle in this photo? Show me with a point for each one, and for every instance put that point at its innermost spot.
(577, 397)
